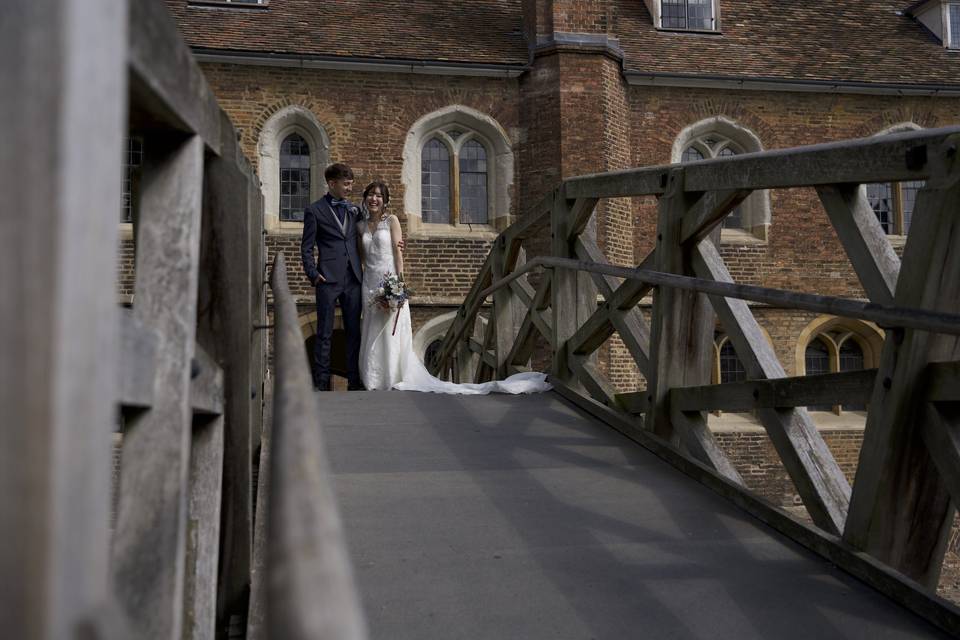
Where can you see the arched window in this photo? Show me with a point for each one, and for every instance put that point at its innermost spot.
(432, 353)
(817, 361)
(293, 149)
(719, 137)
(851, 359)
(715, 146)
(731, 369)
(294, 177)
(435, 181)
(473, 183)
(893, 202)
(457, 173)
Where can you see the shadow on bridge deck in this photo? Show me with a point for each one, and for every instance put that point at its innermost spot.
(519, 517)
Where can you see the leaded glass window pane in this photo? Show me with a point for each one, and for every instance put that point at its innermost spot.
(909, 190)
(473, 183)
(954, 26)
(817, 361)
(673, 14)
(691, 154)
(435, 182)
(731, 369)
(686, 14)
(132, 161)
(700, 14)
(294, 177)
(735, 219)
(880, 197)
(851, 359)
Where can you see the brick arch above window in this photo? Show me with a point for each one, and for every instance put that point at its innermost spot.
(893, 202)
(289, 120)
(719, 136)
(479, 205)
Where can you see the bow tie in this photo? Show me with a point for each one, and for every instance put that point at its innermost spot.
(336, 203)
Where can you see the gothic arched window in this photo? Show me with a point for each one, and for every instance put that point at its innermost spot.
(715, 146)
(435, 181)
(294, 177)
(731, 369)
(893, 202)
(473, 183)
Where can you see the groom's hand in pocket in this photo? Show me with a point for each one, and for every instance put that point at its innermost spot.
(319, 280)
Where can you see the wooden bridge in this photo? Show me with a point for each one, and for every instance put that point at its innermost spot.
(579, 513)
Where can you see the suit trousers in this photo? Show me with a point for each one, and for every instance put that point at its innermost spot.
(348, 292)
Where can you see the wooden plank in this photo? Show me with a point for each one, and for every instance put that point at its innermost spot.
(156, 451)
(573, 293)
(874, 159)
(206, 385)
(681, 337)
(310, 587)
(592, 380)
(709, 211)
(466, 314)
(901, 511)
(167, 84)
(942, 382)
(699, 441)
(941, 435)
(137, 370)
(895, 586)
(806, 457)
(203, 528)
(634, 402)
(589, 251)
(62, 121)
(227, 298)
(848, 387)
(507, 312)
(581, 210)
(864, 240)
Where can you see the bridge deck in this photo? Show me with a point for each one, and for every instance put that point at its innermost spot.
(518, 517)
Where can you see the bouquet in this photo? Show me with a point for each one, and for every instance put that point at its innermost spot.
(392, 293)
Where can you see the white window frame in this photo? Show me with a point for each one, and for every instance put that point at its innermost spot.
(656, 10)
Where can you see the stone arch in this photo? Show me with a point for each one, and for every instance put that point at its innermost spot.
(477, 126)
(868, 335)
(284, 121)
(433, 329)
(755, 210)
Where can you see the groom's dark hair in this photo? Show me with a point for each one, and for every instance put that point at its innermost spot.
(338, 171)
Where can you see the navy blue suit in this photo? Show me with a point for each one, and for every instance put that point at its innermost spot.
(335, 237)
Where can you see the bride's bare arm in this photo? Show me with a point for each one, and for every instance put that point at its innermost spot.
(396, 239)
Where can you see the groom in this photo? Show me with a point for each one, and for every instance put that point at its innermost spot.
(330, 224)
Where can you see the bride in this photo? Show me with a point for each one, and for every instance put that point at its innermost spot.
(387, 360)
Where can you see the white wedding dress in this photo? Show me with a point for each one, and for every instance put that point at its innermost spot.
(387, 359)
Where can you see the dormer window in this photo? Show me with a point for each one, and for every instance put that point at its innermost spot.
(688, 15)
(953, 17)
(941, 18)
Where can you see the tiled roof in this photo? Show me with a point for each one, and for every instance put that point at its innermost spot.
(470, 31)
(828, 40)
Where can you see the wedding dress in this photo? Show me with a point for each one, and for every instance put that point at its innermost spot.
(387, 359)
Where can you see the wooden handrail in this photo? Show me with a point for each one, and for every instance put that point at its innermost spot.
(310, 587)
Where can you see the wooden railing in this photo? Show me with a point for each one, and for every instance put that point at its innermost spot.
(184, 367)
(891, 527)
(303, 585)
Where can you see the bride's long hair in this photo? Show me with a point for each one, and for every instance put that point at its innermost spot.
(384, 191)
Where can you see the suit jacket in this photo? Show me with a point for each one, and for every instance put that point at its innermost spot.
(336, 248)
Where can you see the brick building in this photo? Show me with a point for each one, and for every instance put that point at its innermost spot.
(471, 110)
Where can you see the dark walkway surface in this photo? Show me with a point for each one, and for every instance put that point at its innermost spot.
(505, 518)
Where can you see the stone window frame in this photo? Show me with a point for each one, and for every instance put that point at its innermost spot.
(133, 148)
(834, 332)
(290, 119)
(475, 125)
(896, 188)
(755, 211)
(952, 13)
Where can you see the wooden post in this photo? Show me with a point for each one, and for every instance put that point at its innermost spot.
(681, 342)
(149, 542)
(225, 322)
(900, 511)
(574, 294)
(62, 64)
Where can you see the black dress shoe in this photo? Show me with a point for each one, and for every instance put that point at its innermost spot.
(356, 387)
